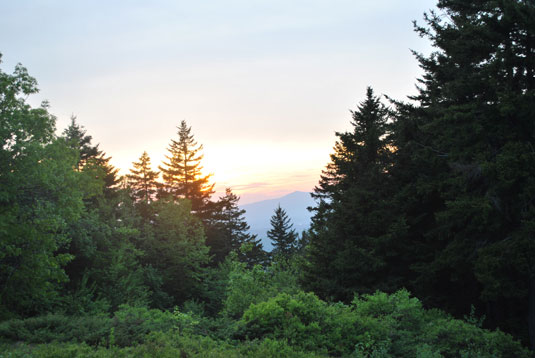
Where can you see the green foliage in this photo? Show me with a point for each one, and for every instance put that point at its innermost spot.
(142, 180)
(282, 235)
(174, 244)
(182, 172)
(107, 257)
(120, 278)
(438, 199)
(348, 242)
(39, 196)
(465, 164)
(228, 231)
(162, 345)
(132, 324)
(286, 325)
(378, 325)
(304, 321)
(248, 286)
(402, 323)
(83, 300)
(57, 328)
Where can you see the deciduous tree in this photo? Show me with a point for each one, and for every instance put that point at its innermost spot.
(39, 196)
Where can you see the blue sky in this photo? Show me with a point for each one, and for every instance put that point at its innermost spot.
(264, 84)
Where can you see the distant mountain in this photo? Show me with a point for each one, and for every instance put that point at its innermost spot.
(295, 204)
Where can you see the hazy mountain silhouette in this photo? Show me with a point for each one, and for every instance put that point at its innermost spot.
(295, 204)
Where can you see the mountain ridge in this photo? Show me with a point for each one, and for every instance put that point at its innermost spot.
(258, 214)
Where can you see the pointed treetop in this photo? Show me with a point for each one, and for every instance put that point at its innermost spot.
(76, 137)
(282, 234)
(182, 170)
(143, 179)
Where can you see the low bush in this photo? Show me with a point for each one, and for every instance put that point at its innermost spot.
(400, 322)
(130, 325)
(287, 325)
(57, 328)
(378, 325)
(249, 286)
(303, 320)
(162, 345)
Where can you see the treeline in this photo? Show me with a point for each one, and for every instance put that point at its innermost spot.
(435, 195)
(79, 237)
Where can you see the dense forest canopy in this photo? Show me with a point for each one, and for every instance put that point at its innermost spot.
(434, 196)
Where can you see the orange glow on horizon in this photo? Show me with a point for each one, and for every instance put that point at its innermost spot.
(253, 170)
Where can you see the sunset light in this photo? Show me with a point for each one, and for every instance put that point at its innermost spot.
(267, 178)
(263, 87)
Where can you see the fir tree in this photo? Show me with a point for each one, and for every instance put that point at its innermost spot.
(230, 232)
(91, 159)
(76, 137)
(182, 171)
(465, 164)
(142, 179)
(345, 253)
(282, 234)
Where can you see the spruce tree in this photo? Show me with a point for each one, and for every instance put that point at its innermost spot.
(142, 179)
(465, 164)
(346, 253)
(282, 234)
(76, 137)
(228, 231)
(99, 226)
(182, 171)
(91, 159)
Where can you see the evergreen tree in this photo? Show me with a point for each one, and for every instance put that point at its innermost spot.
(282, 234)
(174, 244)
(182, 171)
(98, 236)
(76, 138)
(232, 232)
(347, 237)
(91, 159)
(465, 164)
(303, 242)
(142, 179)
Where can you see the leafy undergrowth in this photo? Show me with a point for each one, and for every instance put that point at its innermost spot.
(286, 325)
(161, 345)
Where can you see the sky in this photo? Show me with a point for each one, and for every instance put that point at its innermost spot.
(264, 84)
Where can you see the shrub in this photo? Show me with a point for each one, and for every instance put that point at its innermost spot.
(162, 345)
(303, 320)
(248, 286)
(59, 328)
(399, 321)
(131, 324)
(378, 325)
(453, 337)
